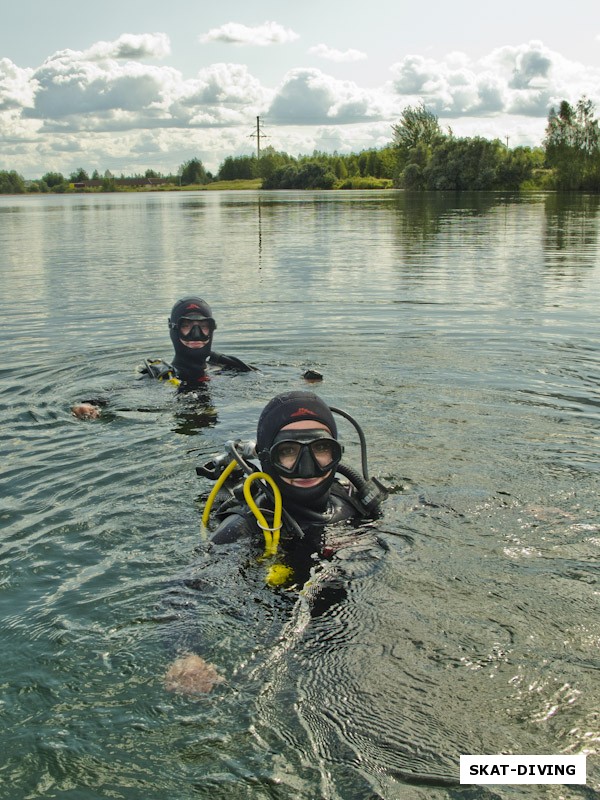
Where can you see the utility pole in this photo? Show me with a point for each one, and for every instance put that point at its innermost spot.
(258, 134)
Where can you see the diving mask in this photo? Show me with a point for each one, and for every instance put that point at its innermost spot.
(195, 330)
(308, 453)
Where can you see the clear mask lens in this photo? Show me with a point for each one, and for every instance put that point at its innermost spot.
(303, 455)
(198, 330)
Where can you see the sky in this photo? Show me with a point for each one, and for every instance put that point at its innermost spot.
(131, 85)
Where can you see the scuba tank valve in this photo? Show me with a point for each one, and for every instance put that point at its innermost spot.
(236, 450)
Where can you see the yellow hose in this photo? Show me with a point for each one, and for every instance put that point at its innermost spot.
(215, 490)
(271, 532)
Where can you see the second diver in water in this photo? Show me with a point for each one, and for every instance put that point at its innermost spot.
(191, 328)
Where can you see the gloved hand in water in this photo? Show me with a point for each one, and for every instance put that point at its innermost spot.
(191, 674)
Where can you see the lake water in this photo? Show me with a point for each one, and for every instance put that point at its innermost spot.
(462, 332)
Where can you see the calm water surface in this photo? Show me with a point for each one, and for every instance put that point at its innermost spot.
(461, 330)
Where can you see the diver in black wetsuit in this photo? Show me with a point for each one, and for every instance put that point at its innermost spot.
(297, 447)
(298, 450)
(191, 328)
(321, 542)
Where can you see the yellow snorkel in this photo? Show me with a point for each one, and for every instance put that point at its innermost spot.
(271, 532)
(278, 573)
(215, 491)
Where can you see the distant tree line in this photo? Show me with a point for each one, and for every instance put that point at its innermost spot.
(431, 159)
(191, 172)
(421, 156)
(278, 170)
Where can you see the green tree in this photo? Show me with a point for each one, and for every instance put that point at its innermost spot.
(453, 164)
(363, 163)
(340, 169)
(415, 137)
(572, 144)
(417, 125)
(315, 176)
(79, 176)
(52, 179)
(283, 178)
(387, 160)
(238, 168)
(411, 171)
(412, 177)
(351, 162)
(517, 167)
(461, 164)
(271, 160)
(11, 183)
(309, 175)
(193, 172)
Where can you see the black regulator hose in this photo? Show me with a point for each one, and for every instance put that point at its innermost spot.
(353, 476)
(361, 436)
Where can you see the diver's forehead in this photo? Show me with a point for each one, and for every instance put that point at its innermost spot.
(305, 424)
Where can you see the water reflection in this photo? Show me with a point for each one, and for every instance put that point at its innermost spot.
(194, 412)
(571, 231)
(461, 330)
(259, 221)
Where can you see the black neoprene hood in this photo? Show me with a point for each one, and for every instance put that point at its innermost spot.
(283, 410)
(189, 362)
(291, 407)
(192, 308)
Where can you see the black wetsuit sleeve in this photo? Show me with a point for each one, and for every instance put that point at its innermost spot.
(101, 401)
(206, 599)
(230, 362)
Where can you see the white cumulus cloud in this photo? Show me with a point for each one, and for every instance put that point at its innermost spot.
(310, 97)
(16, 86)
(71, 85)
(224, 84)
(522, 80)
(131, 46)
(259, 35)
(92, 91)
(339, 56)
(110, 109)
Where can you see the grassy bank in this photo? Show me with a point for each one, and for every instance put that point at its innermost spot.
(200, 187)
(239, 185)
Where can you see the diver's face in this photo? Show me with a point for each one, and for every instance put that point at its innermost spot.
(306, 424)
(185, 328)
